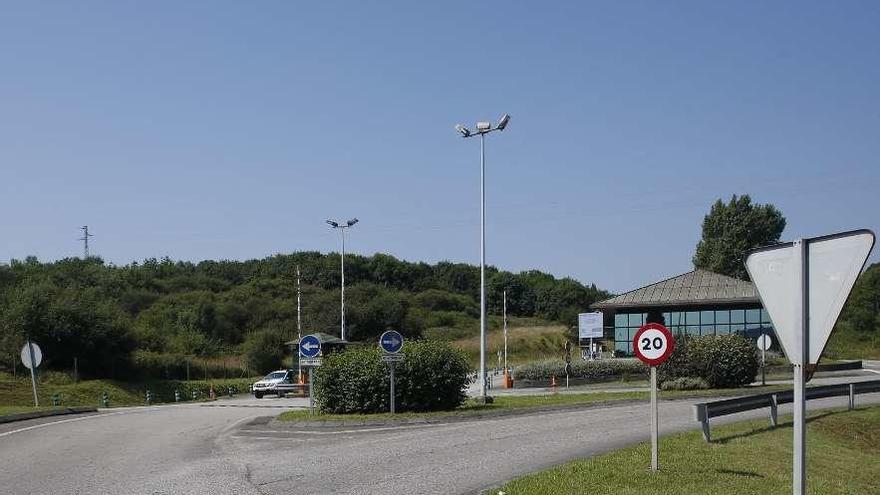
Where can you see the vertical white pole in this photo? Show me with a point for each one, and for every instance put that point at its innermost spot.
(505, 332)
(299, 335)
(655, 465)
(799, 474)
(483, 266)
(342, 332)
(33, 372)
(392, 386)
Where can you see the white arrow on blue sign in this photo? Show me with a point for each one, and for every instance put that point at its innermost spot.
(309, 346)
(391, 341)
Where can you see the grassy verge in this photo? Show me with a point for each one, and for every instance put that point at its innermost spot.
(510, 402)
(17, 392)
(846, 343)
(5, 410)
(746, 458)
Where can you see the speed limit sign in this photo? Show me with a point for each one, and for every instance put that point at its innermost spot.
(653, 344)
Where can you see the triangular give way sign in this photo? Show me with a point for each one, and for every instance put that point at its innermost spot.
(809, 278)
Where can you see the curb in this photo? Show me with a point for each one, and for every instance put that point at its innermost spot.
(9, 418)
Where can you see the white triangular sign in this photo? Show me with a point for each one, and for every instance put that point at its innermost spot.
(834, 264)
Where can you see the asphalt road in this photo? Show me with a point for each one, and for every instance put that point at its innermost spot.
(224, 448)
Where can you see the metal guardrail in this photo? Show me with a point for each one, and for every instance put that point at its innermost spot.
(707, 410)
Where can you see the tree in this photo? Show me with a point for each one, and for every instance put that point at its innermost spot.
(731, 230)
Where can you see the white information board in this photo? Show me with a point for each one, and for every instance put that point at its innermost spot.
(590, 325)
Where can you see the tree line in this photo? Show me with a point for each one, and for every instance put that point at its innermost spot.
(115, 318)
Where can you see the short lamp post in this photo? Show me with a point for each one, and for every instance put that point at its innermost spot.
(482, 129)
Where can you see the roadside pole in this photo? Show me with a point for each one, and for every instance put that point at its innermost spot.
(654, 421)
(33, 365)
(392, 386)
(799, 476)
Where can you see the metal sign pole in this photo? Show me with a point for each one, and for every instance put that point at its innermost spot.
(654, 420)
(33, 367)
(799, 475)
(392, 386)
(763, 361)
(311, 394)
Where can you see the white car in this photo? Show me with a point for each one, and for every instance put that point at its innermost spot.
(277, 382)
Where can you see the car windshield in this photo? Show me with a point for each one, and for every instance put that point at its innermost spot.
(275, 376)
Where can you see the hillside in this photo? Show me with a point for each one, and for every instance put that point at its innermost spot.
(155, 318)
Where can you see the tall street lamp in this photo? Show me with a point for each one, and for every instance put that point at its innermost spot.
(483, 128)
(342, 227)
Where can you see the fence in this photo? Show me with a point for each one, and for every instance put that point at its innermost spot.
(706, 410)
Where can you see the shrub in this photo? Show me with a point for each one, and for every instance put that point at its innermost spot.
(592, 371)
(263, 351)
(685, 383)
(432, 377)
(725, 361)
(722, 361)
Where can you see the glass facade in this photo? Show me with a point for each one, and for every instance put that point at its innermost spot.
(750, 322)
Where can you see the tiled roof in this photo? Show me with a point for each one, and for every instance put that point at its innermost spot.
(699, 287)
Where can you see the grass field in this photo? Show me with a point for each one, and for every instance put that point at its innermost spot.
(850, 344)
(17, 392)
(843, 457)
(524, 344)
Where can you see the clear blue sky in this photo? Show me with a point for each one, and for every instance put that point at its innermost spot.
(209, 130)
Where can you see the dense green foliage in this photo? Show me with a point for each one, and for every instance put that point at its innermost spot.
(432, 377)
(588, 371)
(149, 319)
(862, 310)
(731, 230)
(723, 361)
(685, 383)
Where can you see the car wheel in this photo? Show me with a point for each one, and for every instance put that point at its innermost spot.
(258, 395)
(280, 395)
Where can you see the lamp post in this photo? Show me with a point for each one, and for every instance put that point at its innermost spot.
(483, 128)
(342, 227)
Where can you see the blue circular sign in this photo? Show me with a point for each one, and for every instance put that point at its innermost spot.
(391, 341)
(309, 346)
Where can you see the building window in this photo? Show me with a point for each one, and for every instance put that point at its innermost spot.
(625, 327)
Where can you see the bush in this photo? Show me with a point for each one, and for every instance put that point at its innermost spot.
(722, 361)
(685, 383)
(263, 351)
(725, 361)
(432, 377)
(591, 371)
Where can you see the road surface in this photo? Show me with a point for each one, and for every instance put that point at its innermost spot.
(224, 448)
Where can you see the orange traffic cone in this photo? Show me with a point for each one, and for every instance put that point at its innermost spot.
(553, 381)
(213, 394)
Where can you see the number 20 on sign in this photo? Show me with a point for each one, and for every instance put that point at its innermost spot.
(653, 344)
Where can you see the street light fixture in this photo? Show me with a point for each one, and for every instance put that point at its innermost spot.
(483, 128)
(347, 225)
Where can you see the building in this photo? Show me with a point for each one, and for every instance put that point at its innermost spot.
(694, 303)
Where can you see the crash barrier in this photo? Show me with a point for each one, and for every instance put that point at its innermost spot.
(707, 410)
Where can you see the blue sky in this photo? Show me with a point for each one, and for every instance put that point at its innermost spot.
(209, 130)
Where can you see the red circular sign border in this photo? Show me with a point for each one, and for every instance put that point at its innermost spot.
(669, 348)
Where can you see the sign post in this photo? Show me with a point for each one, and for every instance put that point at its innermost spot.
(804, 285)
(31, 357)
(653, 344)
(764, 343)
(309, 352)
(590, 327)
(391, 342)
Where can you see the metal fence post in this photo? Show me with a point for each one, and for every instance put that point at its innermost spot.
(774, 411)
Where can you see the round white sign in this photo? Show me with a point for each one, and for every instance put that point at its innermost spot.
(652, 344)
(764, 342)
(26, 356)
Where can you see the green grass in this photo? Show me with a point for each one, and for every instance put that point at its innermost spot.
(507, 402)
(18, 393)
(846, 343)
(4, 410)
(843, 455)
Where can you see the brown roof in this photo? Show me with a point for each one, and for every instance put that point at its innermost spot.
(696, 288)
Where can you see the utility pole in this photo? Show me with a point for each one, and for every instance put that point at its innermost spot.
(505, 332)
(85, 239)
(299, 334)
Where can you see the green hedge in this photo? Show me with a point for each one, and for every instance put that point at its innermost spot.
(432, 377)
(591, 371)
(723, 361)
